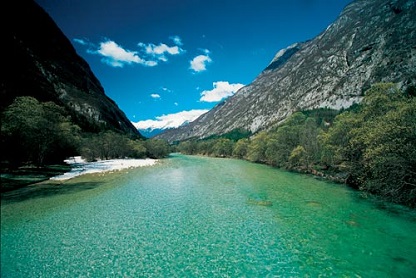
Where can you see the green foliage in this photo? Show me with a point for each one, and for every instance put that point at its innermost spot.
(188, 147)
(241, 148)
(138, 149)
(410, 91)
(34, 132)
(378, 100)
(279, 145)
(204, 147)
(372, 144)
(323, 116)
(295, 131)
(309, 141)
(388, 140)
(110, 145)
(256, 151)
(37, 133)
(223, 147)
(337, 147)
(157, 148)
(377, 144)
(107, 145)
(298, 157)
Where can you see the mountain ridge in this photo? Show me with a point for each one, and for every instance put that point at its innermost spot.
(42, 63)
(370, 42)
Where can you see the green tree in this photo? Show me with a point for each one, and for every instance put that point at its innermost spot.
(188, 147)
(378, 100)
(138, 149)
(241, 148)
(309, 141)
(389, 140)
(280, 144)
(298, 158)
(110, 145)
(157, 148)
(223, 147)
(257, 148)
(37, 132)
(204, 147)
(377, 144)
(337, 149)
(283, 140)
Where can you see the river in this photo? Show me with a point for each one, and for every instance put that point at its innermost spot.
(194, 216)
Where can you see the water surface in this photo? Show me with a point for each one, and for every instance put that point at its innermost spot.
(204, 217)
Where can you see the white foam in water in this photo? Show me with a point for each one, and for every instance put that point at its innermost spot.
(81, 167)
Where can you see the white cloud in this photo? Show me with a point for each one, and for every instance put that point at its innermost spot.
(171, 120)
(221, 90)
(177, 40)
(159, 51)
(155, 96)
(117, 56)
(199, 63)
(148, 54)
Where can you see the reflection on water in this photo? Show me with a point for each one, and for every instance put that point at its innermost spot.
(205, 217)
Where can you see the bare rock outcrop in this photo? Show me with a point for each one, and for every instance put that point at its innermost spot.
(371, 41)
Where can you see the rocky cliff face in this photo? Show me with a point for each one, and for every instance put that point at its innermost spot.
(371, 41)
(41, 62)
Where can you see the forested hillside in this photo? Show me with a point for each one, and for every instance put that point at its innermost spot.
(371, 146)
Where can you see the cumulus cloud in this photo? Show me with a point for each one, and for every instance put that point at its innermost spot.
(155, 96)
(199, 63)
(117, 56)
(221, 90)
(170, 121)
(161, 50)
(147, 55)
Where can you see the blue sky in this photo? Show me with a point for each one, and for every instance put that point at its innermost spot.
(167, 61)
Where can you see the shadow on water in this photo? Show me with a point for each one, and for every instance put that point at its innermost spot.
(378, 203)
(46, 190)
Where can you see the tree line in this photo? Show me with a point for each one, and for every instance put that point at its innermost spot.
(40, 133)
(370, 146)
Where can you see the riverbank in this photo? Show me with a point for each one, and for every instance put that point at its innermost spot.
(72, 167)
(81, 167)
(12, 179)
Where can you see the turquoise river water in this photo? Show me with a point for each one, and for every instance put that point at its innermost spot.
(204, 217)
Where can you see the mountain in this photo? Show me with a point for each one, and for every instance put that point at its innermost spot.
(41, 62)
(371, 41)
(149, 133)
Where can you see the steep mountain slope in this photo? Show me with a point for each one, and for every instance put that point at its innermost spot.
(41, 62)
(371, 41)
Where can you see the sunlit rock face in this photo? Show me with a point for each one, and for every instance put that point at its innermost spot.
(371, 41)
(41, 62)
